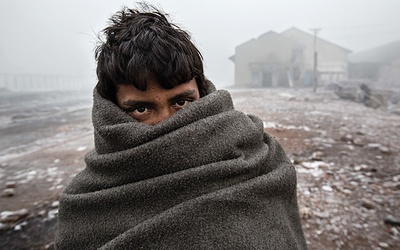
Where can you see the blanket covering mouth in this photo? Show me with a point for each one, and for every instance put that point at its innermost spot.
(208, 177)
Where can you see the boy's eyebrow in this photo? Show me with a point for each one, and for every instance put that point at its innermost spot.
(182, 95)
(134, 103)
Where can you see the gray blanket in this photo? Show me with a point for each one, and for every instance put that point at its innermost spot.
(208, 177)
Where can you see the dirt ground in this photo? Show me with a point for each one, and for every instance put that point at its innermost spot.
(346, 156)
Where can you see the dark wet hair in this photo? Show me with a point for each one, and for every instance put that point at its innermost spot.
(144, 45)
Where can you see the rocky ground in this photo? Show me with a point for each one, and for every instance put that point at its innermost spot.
(346, 156)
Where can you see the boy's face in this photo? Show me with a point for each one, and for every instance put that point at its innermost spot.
(156, 103)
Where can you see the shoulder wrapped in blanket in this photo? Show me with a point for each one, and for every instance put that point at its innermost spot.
(208, 177)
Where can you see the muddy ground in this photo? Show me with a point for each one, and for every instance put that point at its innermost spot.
(346, 156)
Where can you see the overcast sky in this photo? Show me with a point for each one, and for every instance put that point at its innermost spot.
(59, 36)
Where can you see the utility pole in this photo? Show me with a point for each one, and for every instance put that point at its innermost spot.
(315, 71)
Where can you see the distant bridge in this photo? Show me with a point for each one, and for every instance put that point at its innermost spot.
(22, 82)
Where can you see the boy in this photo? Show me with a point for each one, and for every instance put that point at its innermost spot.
(175, 166)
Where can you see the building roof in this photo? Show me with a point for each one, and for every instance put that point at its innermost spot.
(382, 54)
(282, 36)
(294, 29)
(262, 36)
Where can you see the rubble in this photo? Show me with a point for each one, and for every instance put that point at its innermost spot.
(8, 192)
(13, 216)
(11, 184)
(383, 244)
(368, 203)
(390, 220)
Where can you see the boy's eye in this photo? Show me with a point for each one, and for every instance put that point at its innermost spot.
(141, 109)
(182, 102)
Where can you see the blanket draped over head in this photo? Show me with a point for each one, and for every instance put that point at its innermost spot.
(208, 177)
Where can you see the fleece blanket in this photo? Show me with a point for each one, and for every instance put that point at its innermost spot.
(208, 177)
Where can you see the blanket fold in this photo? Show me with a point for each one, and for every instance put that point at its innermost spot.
(208, 177)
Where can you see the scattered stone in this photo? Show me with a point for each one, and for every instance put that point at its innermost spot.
(373, 146)
(81, 148)
(52, 213)
(378, 200)
(10, 184)
(368, 203)
(323, 165)
(394, 231)
(305, 212)
(390, 220)
(298, 160)
(42, 212)
(344, 153)
(353, 183)
(55, 204)
(310, 165)
(322, 215)
(384, 150)
(390, 185)
(373, 170)
(307, 193)
(327, 188)
(346, 138)
(13, 216)
(49, 246)
(344, 190)
(8, 192)
(20, 225)
(358, 142)
(315, 164)
(362, 167)
(383, 244)
(317, 156)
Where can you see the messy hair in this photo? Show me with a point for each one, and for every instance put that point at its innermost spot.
(143, 45)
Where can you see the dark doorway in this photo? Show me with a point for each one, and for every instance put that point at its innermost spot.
(267, 79)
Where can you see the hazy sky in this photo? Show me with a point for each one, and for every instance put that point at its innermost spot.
(59, 36)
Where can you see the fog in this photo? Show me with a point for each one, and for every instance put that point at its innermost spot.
(48, 37)
(343, 146)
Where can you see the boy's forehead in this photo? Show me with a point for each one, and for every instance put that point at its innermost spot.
(154, 91)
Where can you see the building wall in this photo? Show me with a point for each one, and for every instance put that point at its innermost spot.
(269, 48)
(389, 74)
(332, 59)
(277, 51)
(244, 54)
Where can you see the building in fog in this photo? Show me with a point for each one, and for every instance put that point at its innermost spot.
(287, 59)
(380, 65)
